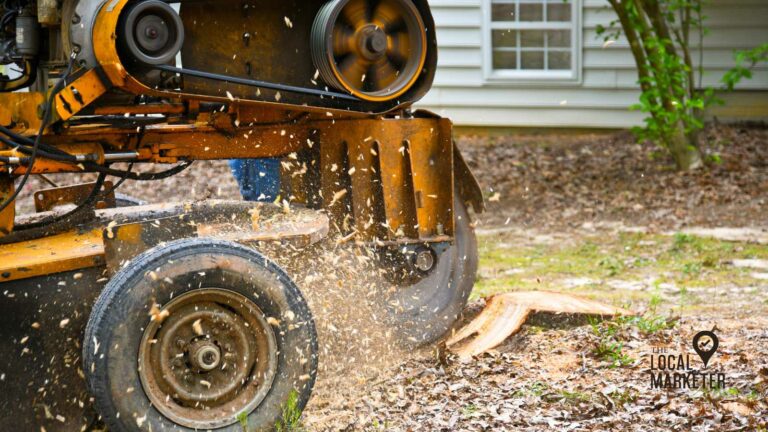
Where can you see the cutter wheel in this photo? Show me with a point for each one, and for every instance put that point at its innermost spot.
(206, 334)
(439, 282)
(374, 49)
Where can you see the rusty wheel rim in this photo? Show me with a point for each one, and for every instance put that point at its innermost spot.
(214, 357)
(374, 49)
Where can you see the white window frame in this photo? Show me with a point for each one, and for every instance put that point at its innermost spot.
(509, 76)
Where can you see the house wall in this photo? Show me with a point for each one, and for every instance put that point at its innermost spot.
(606, 86)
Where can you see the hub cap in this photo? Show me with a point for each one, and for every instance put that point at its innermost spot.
(214, 357)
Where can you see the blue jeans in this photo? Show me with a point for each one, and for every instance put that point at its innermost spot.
(259, 179)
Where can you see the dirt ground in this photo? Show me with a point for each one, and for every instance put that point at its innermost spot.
(596, 215)
(600, 216)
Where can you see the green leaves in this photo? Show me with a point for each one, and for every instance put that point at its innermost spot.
(659, 33)
(745, 62)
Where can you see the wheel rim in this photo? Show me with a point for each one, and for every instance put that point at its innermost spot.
(374, 49)
(214, 357)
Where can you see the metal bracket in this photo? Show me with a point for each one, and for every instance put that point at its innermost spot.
(48, 199)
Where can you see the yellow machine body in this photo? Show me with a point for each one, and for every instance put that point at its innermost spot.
(249, 81)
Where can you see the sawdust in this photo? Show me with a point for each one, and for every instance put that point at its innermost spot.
(346, 292)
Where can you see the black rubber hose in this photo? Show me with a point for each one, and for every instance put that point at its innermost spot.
(91, 166)
(33, 157)
(88, 203)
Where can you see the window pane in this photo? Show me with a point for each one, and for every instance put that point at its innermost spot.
(528, 43)
(503, 12)
(505, 60)
(558, 10)
(532, 39)
(532, 11)
(532, 60)
(559, 60)
(559, 38)
(504, 38)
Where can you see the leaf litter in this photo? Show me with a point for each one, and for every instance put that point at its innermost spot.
(546, 377)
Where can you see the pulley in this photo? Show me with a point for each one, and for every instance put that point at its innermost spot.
(373, 49)
(150, 33)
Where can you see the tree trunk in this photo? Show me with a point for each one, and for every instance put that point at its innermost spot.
(686, 153)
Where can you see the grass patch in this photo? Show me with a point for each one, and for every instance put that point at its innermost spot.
(537, 389)
(623, 397)
(608, 349)
(469, 410)
(570, 397)
(290, 420)
(610, 334)
(594, 265)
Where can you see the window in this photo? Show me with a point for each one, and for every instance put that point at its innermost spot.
(532, 39)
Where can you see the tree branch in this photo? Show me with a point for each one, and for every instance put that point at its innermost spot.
(635, 45)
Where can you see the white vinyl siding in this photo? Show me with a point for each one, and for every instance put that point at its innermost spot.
(606, 85)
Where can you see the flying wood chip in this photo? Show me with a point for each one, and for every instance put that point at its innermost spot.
(504, 314)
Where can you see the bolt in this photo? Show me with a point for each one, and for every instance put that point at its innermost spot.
(425, 260)
(76, 19)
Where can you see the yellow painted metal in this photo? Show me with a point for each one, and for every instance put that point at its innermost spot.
(431, 156)
(64, 252)
(395, 174)
(109, 244)
(398, 190)
(79, 94)
(49, 199)
(367, 197)
(388, 179)
(9, 214)
(21, 110)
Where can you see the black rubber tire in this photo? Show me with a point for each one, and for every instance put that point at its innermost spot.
(428, 309)
(116, 326)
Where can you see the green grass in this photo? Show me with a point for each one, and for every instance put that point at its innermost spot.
(623, 397)
(536, 389)
(291, 418)
(611, 335)
(469, 410)
(574, 396)
(609, 346)
(683, 261)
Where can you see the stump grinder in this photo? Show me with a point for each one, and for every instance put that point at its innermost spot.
(168, 317)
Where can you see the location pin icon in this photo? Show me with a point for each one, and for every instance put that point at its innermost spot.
(705, 343)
